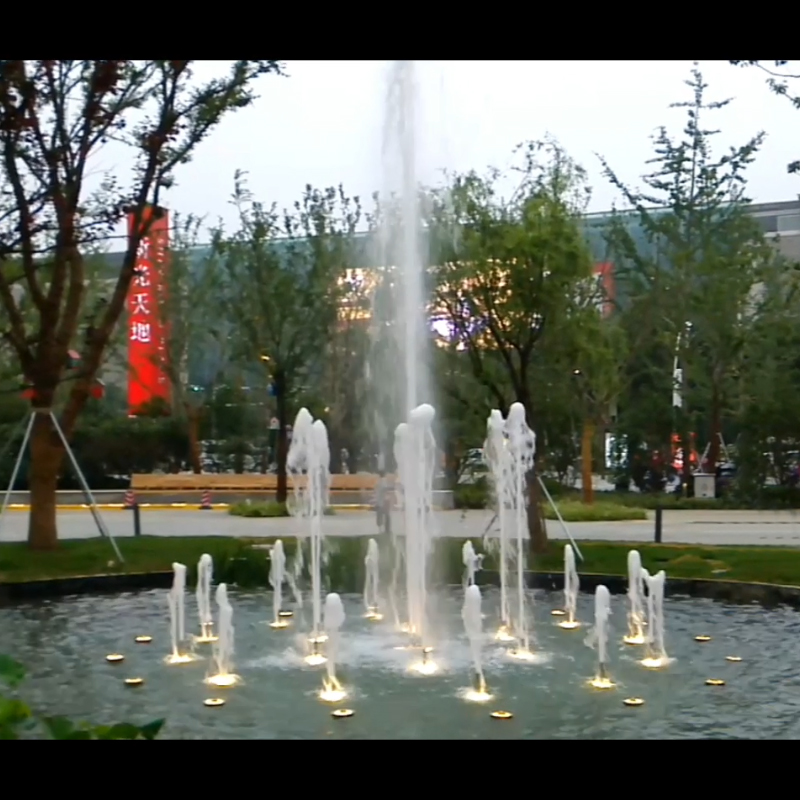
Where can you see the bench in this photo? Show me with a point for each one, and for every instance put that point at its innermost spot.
(171, 484)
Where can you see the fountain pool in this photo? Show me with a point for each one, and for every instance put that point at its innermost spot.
(63, 643)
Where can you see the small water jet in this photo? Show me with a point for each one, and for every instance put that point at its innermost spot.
(205, 571)
(473, 625)
(177, 617)
(571, 588)
(496, 453)
(599, 638)
(472, 563)
(277, 576)
(372, 571)
(521, 443)
(636, 586)
(308, 463)
(332, 690)
(223, 648)
(415, 453)
(656, 654)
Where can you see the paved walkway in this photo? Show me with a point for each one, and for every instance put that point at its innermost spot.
(685, 527)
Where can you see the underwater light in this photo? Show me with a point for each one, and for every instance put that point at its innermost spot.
(279, 624)
(633, 701)
(602, 683)
(342, 713)
(503, 634)
(286, 613)
(134, 681)
(715, 682)
(501, 715)
(223, 681)
(702, 638)
(558, 612)
(653, 663)
(637, 639)
(569, 624)
(143, 639)
(214, 702)
(115, 658)
(733, 659)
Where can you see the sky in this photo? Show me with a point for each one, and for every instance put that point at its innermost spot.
(323, 125)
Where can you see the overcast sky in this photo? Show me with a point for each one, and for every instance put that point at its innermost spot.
(323, 125)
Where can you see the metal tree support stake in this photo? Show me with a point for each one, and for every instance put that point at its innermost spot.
(84, 485)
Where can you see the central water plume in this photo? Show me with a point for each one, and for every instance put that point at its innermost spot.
(472, 562)
(309, 465)
(571, 589)
(656, 653)
(636, 584)
(599, 637)
(496, 455)
(332, 691)
(277, 576)
(521, 443)
(372, 572)
(473, 624)
(415, 453)
(223, 647)
(177, 616)
(205, 572)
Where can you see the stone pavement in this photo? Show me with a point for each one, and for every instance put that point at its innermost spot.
(781, 528)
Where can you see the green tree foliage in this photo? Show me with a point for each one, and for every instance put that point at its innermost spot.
(54, 118)
(694, 272)
(282, 279)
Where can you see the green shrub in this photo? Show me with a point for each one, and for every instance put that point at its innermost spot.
(17, 717)
(575, 511)
(271, 509)
(472, 495)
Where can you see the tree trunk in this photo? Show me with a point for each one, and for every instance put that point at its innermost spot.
(193, 417)
(283, 449)
(47, 455)
(537, 527)
(587, 439)
(716, 431)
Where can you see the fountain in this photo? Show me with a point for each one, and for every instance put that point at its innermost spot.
(309, 465)
(495, 450)
(599, 638)
(656, 654)
(636, 616)
(571, 587)
(205, 572)
(472, 563)
(372, 571)
(471, 614)
(277, 576)
(224, 677)
(332, 691)
(415, 453)
(177, 617)
(521, 451)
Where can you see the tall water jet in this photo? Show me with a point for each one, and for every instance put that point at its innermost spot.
(309, 465)
(415, 453)
(332, 690)
(656, 653)
(636, 615)
(472, 563)
(205, 572)
(495, 450)
(223, 648)
(599, 637)
(372, 572)
(473, 625)
(177, 616)
(277, 576)
(521, 451)
(571, 588)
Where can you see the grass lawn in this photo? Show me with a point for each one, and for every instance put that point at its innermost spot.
(236, 562)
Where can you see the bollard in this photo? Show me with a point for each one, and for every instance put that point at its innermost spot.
(659, 512)
(137, 520)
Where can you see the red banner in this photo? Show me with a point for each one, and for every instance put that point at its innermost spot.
(605, 275)
(147, 379)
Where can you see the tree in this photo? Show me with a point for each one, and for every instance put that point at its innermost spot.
(778, 81)
(281, 286)
(54, 118)
(701, 255)
(508, 274)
